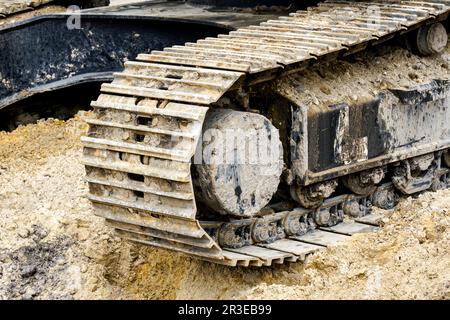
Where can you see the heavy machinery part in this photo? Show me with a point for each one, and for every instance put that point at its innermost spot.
(199, 75)
(431, 39)
(385, 197)
(243, 3)
(95, 51)
(108, 36)
(13, 7)
(365, 182)
(10, 7)
(446, 158)
(347, 138)
(331, 212)
(441, 180)
(299, 221)
(240, 162)
(313, 196)
(267, 229)
(276, 225)
(358, 206)
(236, 234)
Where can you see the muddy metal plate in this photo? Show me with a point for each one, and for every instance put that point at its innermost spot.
(351, 228)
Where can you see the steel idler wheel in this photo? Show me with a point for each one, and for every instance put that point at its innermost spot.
(242, 161)
(431, 39)
(313, 196)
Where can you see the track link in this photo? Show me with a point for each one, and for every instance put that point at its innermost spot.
(147, 122)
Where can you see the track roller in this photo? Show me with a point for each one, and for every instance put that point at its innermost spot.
(431, 39)
(313, 196)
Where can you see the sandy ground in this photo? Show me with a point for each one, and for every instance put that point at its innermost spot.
(52, 246)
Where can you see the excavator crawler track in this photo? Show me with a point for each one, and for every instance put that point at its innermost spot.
(10, 7)
(147, 123)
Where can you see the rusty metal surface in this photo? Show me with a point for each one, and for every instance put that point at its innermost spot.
(147, 122)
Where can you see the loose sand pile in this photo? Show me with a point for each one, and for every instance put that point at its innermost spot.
(52, 246)
(362, 76)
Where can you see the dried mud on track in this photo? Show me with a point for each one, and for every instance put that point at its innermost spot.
(52, 245)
